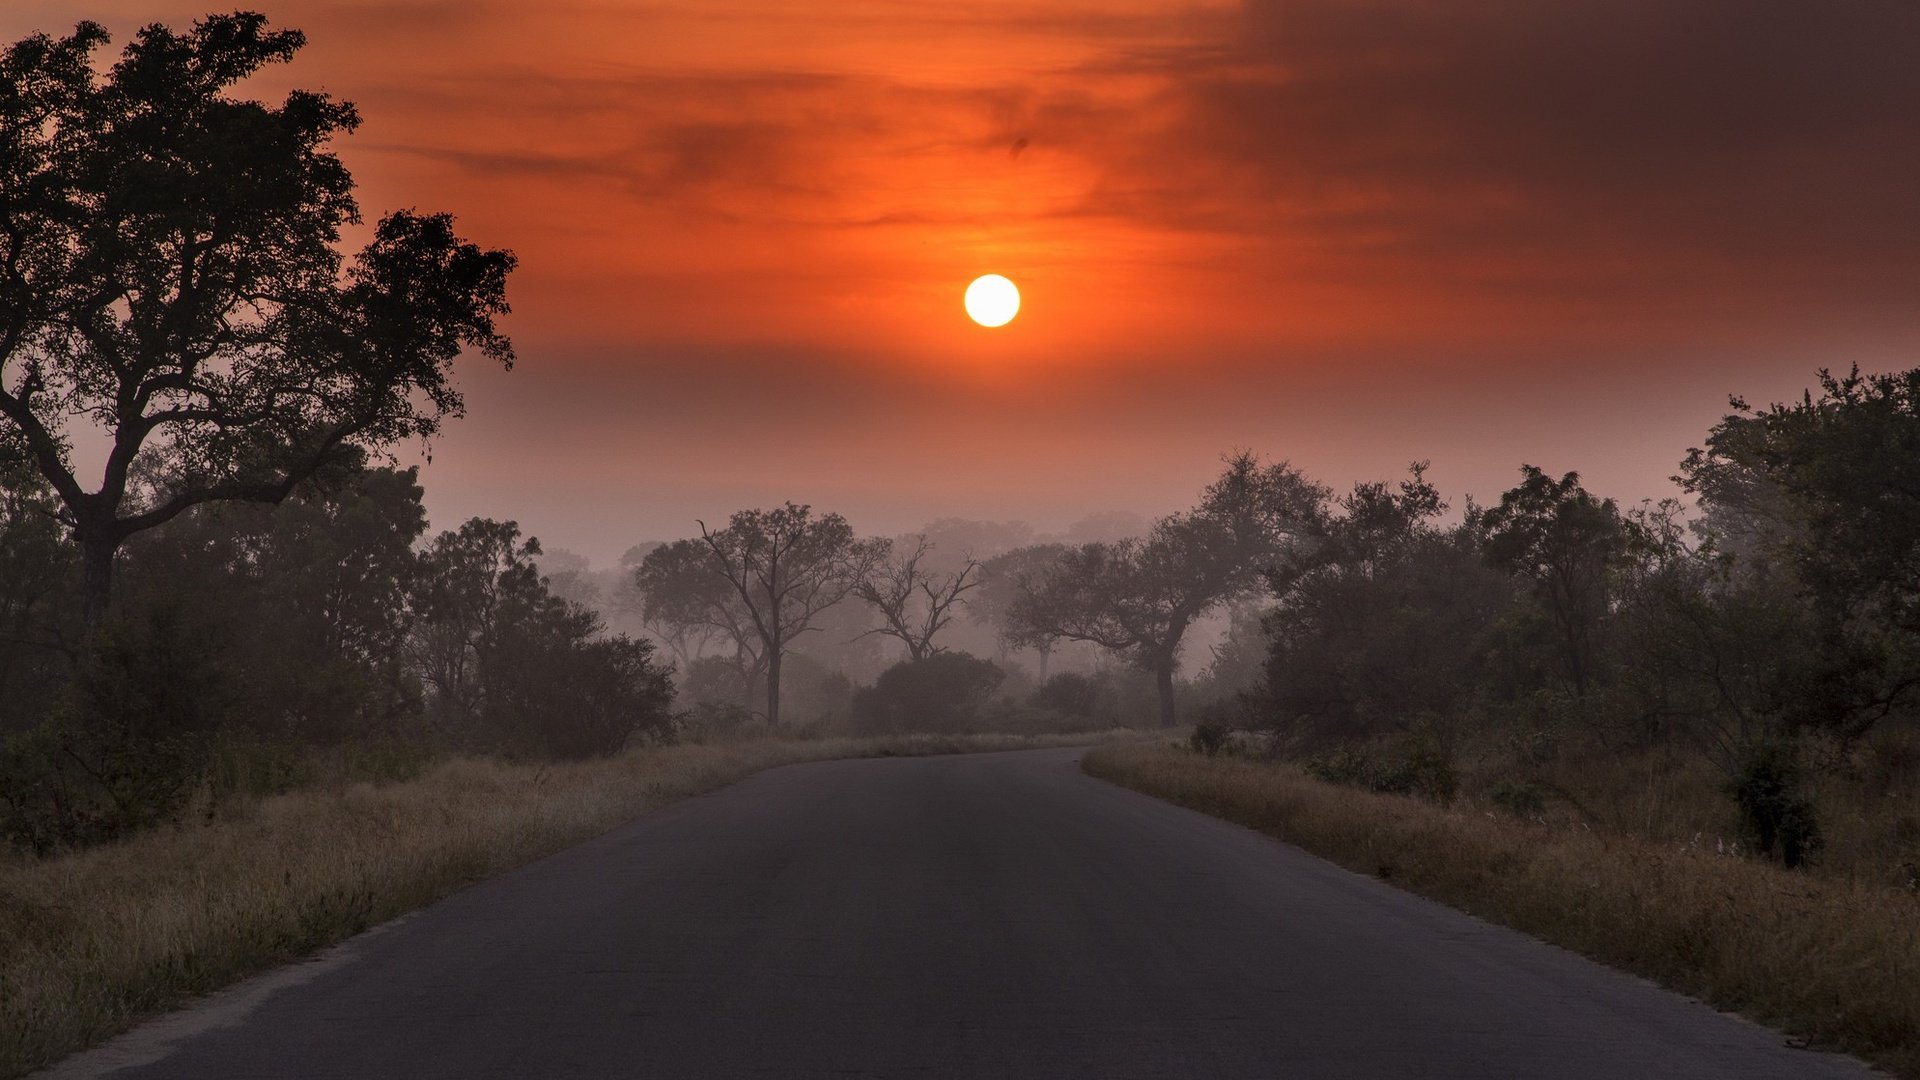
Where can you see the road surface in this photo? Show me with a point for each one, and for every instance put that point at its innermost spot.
(989, 915)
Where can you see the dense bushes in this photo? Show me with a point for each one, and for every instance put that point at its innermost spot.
(512, 668)
(1554, 629)
(247, 640)
(946, 693)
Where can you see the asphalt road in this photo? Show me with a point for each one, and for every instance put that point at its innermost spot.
(993, 915)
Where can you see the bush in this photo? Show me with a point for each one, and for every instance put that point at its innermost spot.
(1209, 738)
(942, 694)
(133, 744)
(556, 692)
(1774, 807)
(713, 721)
(1070, 694)
(1519, 798)
(1419, 765)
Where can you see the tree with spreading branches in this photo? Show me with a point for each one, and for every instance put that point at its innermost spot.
(786, 567)
(915, 601)
(1138, 597)
(172, 288)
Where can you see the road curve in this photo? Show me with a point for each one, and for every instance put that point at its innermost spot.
(987, 915)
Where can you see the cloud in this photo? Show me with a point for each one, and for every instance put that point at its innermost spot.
(1506, 129)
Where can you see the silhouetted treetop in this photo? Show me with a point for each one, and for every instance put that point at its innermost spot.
(170, 281)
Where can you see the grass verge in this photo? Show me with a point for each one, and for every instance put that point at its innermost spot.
(92, 942)
(1835, 962)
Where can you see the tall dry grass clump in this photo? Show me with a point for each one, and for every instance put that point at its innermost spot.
(1835, 961)
(92, 941)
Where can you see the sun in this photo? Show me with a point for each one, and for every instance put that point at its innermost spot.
(992, 300)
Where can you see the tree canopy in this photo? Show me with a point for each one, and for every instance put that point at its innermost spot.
(1138, 597)
(171, 284)
(787, 566)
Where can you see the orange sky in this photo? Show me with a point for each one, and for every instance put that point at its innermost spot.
(1351, 233)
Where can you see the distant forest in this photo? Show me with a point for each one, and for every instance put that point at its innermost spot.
(1374, 634)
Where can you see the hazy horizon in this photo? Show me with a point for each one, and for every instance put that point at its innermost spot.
(1348, 238)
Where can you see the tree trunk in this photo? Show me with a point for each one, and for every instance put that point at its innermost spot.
(96, 560)
(1163, 681)
(773, 688)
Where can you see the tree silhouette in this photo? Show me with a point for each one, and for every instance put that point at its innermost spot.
(1568, 545)
(1137, 597)
(915, 602)
(687, 601)
(170, 281)
(787, 567)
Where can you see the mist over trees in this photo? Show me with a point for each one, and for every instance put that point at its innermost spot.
(1138, 597)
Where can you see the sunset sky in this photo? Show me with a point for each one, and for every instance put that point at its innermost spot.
(1350, 233)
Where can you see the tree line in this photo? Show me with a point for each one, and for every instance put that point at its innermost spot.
(1770, 628)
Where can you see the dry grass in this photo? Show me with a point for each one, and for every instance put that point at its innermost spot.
(1867, 797)
(1833, 960)
(93, 941)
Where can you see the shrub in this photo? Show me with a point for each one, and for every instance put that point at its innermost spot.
(1071, 694)
(1774, 807)
(943, 694)
(133, 743)
(1419, 765)
(1519, 798)
(1209, 737)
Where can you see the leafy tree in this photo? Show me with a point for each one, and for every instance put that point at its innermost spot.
(312, 596)
(1568, 546)
(1138, 597)
(516, 667)
(1381, 622)
(787, 567)
(1828, 489)
(468, 579)
(688, 603)
(914, 601)
(1004, 578)
(1709, 650)
(170, 280)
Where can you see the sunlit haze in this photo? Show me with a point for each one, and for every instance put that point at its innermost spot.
(1348, 235)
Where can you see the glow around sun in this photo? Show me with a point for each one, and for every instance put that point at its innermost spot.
(992, 300)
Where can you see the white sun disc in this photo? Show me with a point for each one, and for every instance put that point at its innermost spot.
(992, 300)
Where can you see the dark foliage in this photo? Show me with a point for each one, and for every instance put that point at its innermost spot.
(944, 693)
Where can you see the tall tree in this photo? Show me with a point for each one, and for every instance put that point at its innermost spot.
(1827, 490)
(1138, 597)
(1004, 578)
(787, 567)
(687, 603)
(469, 581)
(914, 601)
(170, 282)
(1382, 622)
(1568, 545)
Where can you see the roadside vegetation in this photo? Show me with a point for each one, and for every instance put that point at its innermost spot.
(1682, 739)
